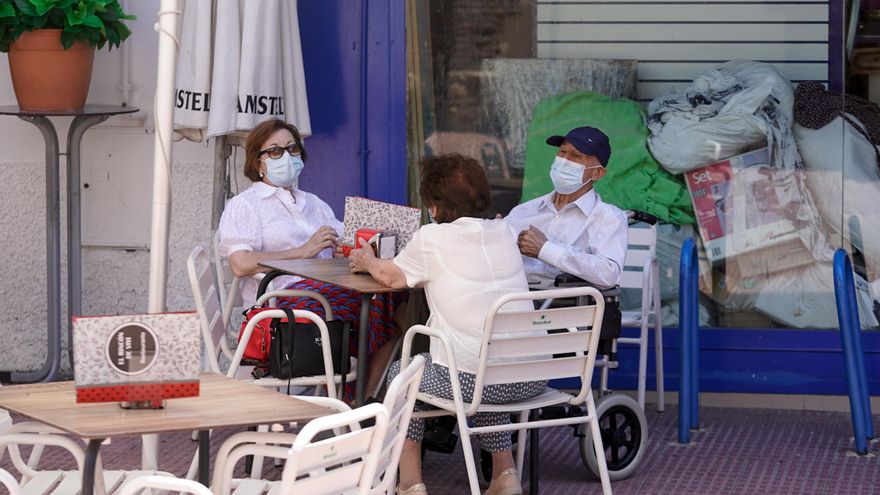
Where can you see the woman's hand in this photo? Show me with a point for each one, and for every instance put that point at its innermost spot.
(363, 260)
(359, 259)
(323, 238)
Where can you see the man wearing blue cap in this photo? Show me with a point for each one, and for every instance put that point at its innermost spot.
(571, 230)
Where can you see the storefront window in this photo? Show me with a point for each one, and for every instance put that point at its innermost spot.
(726, 121)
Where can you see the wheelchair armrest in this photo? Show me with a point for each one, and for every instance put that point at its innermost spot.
(569, 280)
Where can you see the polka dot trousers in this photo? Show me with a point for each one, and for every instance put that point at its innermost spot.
(435, 381)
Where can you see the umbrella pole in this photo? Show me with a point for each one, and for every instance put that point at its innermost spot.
(167, 27)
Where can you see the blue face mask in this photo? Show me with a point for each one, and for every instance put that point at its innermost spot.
(284, 171)
(567, 175)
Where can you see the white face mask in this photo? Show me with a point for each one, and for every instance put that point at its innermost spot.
(283, 171)
(567, 175)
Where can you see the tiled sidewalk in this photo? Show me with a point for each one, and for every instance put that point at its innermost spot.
(738, 451)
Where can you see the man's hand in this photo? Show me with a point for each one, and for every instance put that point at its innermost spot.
(530, 241)
(360, 259)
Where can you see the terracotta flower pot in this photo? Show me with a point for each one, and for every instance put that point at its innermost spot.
(45, 76)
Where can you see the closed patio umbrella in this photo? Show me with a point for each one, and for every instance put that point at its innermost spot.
(240, 63)
(237, 64)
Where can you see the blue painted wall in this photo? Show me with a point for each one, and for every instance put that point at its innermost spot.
(331, 42)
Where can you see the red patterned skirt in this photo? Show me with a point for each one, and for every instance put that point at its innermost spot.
(346, 306)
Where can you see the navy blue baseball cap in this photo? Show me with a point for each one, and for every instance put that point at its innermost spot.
(588, 140)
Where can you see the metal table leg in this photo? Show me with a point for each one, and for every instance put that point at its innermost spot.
(364, 328)
(74, 231)
(91, 462)
(53, 257)
(204, 456)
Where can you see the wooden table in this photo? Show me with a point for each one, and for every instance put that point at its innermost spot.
(335, 271)
(223, 402)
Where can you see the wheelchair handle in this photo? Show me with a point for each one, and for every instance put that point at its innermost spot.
(641, 216)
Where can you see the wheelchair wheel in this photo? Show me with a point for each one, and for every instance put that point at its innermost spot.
(624, 430)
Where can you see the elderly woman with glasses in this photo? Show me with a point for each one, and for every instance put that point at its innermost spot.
(465, 263)
(275, 220)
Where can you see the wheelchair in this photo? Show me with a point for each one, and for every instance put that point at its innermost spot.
(622, 421)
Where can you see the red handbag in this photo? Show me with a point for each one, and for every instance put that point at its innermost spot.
(257, 350)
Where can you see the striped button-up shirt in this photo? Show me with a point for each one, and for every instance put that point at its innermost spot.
(587, 238)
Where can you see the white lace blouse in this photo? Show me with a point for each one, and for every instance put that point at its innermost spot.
(267, 218)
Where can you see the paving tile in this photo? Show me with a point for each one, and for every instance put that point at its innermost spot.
(738, 451)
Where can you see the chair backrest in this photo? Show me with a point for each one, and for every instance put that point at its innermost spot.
(400, 399)
(8, 481)
(39, 436)
(230, 296)
(177, 485)
(517, 346)
(339, 464)
(640, 267)
(203, 282)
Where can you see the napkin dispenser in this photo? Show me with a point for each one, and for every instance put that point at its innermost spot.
(382, 242)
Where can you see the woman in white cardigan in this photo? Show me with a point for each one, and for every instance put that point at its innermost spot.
(465, 263)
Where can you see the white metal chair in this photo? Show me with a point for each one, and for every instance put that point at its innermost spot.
(400, 398)
(254, 484)
(399, 401)
(516, 348)
(343, 463)
(145, 484)
(54, 482)
(213, 326)
(8, 481)
(5, 420)
(642, 271)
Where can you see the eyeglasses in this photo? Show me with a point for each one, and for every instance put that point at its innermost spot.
(278, 152)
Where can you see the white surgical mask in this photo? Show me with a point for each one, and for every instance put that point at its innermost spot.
(283, 171)
(567, 175)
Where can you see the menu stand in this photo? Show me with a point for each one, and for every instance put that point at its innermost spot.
(82, 120)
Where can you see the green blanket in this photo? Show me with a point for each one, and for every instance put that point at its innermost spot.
(635, 181)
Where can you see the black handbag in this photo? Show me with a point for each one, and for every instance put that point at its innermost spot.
(295, 348)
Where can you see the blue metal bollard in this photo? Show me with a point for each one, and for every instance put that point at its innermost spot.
(858, 351)
(688, 388)
(693, 328)
(850, 336)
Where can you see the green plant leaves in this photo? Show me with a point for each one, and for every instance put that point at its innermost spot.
(96, 22)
